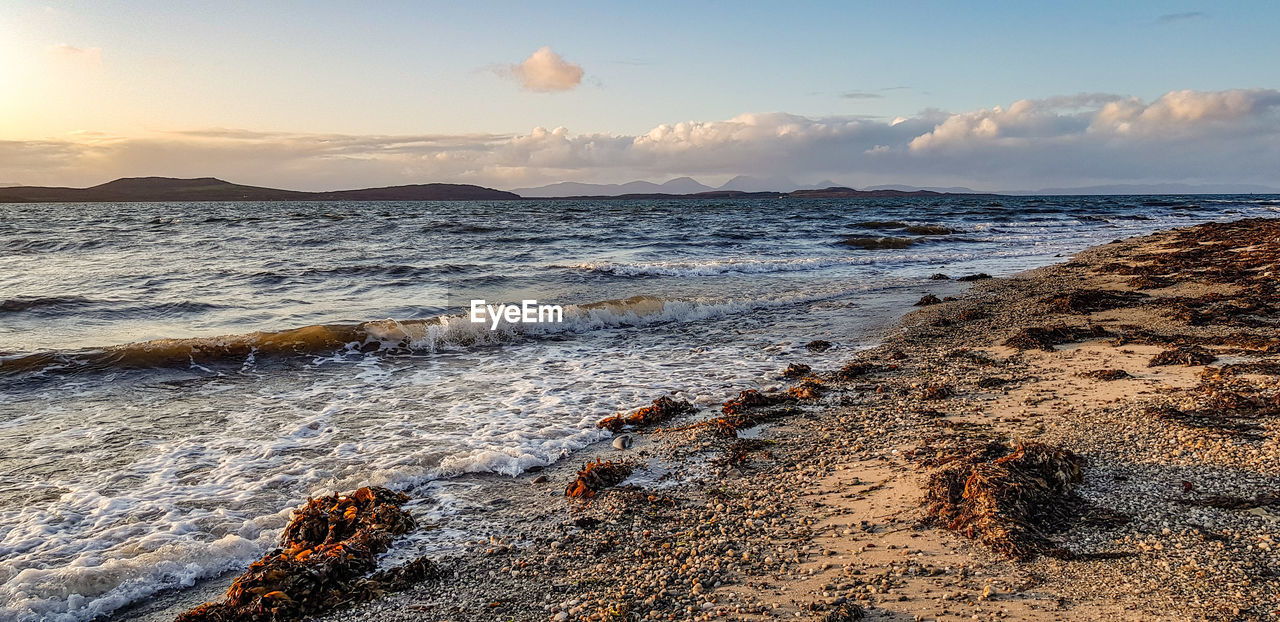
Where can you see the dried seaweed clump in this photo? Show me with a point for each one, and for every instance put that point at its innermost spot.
(1046, 337)
(797, 370)
(1010, 499)
(974, 277)
(598, 475)
(1107, 374)
(747, 410)
(750, 399)
(1144, 281)
(927, 300)
(1085, 301)
(856, 369)
(662, 409)
(1189, 356)
(845, 612)
(325, 553)
(807, 389)
(936, 392)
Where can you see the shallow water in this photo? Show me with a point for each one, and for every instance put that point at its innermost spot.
(129, 465)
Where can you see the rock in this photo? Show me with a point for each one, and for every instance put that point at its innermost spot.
(938, 276)
(541, 479)
(975, 277)
(927, 299)
(622, 442)
(818, 345)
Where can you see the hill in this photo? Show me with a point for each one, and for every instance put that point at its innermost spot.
(152, 189)
(679, 185)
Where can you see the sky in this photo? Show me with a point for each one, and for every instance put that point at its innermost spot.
(326, 95)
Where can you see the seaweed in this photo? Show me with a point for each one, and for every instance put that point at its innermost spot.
(1009, 498)
(856, 369)
(845, 612)
(326, 555)
(936, 392)
(1046, 337)
(598, 475)
(1144, 281)
(808, 389)
(927, 300)
(662, 409)
(797, 370)
(1230, 409)
(1085, 301)
(1107, 374)
(1189, 356)
(749, 399)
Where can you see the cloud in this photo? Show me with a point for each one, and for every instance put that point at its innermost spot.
(86, 57)
(1170, 18)
(861, 95)
(545, 71)
(1228, 136)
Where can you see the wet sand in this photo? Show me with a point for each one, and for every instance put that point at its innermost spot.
(821, 508)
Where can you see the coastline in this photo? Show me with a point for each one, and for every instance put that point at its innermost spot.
(822, 505)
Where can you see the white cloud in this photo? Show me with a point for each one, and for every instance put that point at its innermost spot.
(546, 71)
(1219, 137)
(70, 54)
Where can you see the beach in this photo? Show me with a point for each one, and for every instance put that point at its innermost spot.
(821, 508)
(837, 480)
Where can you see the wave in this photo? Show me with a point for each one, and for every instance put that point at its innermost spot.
(15, 305)
(81, 306)
(922, 229)
(878, 242)
(426, 335)
(715, 267)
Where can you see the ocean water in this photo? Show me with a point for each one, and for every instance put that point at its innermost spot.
(174, 378)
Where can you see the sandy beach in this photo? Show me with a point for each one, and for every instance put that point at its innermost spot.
(815, 508)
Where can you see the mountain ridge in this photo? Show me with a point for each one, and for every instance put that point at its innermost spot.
(203, 189)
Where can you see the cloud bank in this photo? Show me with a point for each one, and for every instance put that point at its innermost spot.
(545, 71)
(1185, 136)
(1171, 18)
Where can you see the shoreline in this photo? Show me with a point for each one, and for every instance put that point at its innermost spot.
(820, 508)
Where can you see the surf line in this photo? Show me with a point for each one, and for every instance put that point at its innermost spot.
(527, 312)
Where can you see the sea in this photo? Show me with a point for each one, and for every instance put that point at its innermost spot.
(175, 377)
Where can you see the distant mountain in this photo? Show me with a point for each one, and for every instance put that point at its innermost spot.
(1157, 189)
(679, 185)
(947, 189)
(841, 192)
(746, 183)
(143, 189)
(834, 192)
(826, 183)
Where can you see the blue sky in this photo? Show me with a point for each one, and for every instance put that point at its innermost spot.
(141, 70)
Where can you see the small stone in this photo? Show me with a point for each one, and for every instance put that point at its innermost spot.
(622, 442)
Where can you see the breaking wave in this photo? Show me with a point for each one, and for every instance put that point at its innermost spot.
(427, 335)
